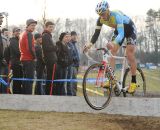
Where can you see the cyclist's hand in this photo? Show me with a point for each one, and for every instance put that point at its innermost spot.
(87, 47)
(110, 45)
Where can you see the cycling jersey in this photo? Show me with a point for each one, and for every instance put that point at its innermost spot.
(124, 27)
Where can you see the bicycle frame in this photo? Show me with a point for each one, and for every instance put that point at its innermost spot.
(105, 62)
(100, 72)
(124, 66)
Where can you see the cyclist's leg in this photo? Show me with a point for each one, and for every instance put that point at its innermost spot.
(130, 52)
(114, 50)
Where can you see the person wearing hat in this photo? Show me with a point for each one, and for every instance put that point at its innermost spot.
(50, 57)
(64, 61)
(40, 65)
(27, 51)
(15, 61)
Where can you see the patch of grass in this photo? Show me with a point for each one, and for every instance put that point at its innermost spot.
(152, 80)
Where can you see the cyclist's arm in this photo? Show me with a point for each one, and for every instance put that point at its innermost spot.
(120, 29)
(97, 32)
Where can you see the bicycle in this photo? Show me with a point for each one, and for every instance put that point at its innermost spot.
(99, 73)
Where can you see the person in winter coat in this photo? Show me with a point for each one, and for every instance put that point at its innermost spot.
(27, 51)
(40, 65)
(76, 61)
(64, 61)
(3, 62)
(16, 65)
(50, 56)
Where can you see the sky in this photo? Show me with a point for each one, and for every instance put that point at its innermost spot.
(21, 10)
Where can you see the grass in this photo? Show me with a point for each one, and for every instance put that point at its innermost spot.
(152, 80)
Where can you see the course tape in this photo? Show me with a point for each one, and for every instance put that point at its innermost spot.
(90, 80)
(3, 82)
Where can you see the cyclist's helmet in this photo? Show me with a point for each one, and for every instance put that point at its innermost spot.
(102, 7)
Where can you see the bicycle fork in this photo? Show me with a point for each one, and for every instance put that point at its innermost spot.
(101, 74)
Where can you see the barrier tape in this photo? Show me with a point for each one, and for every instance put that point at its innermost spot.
(90, 80)
(3, 82)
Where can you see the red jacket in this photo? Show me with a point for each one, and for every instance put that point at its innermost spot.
(26, 46)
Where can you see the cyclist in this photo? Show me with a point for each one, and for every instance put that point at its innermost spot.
(124, 28)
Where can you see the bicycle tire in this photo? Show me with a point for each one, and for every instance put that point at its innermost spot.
(139, 71)
(85, 93)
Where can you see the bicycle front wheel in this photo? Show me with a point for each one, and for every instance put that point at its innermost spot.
(141, 82)
(96, 96)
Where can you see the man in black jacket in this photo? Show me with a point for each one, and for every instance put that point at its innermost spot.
(49, 50)
(40, 65)
(15, 61)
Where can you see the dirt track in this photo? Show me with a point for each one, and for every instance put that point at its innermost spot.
(22, 120)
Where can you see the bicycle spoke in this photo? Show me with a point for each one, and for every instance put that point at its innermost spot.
(94, 80)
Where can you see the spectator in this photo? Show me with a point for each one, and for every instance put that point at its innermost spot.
(4, 67)
(5, 38)
(64, 60)
(76, 60)
(2, 60)
(70, 67)
(49, 50)
(5, 33)
(16, 65)
(27, 50)
(40, 66)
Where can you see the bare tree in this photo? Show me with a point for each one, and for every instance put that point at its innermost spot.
(153, 23)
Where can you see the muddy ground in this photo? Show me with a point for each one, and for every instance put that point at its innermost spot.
(24, 120)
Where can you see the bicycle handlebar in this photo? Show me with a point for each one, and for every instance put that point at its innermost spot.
(105, 50)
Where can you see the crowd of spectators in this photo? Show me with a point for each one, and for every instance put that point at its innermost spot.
(35, 56)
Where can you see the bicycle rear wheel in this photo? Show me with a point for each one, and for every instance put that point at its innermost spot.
(141, 82)
(96, 96)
